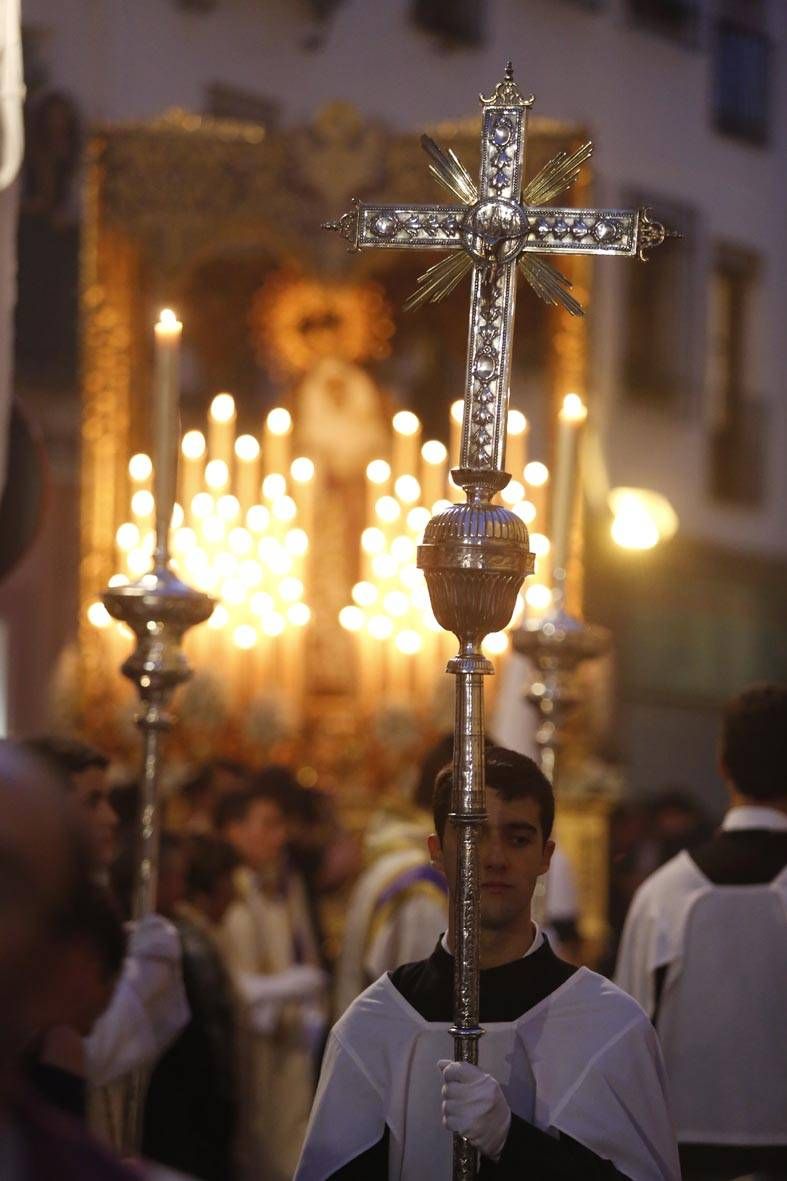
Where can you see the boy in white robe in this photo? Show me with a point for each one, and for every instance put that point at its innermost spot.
(704, 951)
(570, 1081)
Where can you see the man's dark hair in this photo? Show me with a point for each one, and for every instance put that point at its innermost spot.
(65, 757)
(754, 742)
(233, 808)
(209, 860)
(512, 776)
(200, 785)
(91, 915)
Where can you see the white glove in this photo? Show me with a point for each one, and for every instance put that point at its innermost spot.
(475, 1107)
(154, 938)
(298, 983)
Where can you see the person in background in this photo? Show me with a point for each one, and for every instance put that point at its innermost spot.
(192, 808)
(191, 1108)
(271, 950)
(41, 876)
(704, 951)
(148, 1007)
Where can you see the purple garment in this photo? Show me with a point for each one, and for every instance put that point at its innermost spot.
(58, 1147)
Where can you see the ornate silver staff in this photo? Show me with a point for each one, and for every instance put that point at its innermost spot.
(159, 609)
(475, 555)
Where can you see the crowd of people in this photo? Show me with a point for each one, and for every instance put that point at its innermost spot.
(223, 1008)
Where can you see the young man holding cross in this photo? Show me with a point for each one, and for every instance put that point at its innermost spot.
(570, 1082)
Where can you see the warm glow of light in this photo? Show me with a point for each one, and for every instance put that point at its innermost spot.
(296, 541)
(250, 572)
(373, 540)
(406, 423)
(213, 530)
(98, 615)
(413, 579)
(268, 548)
(384, 566)
(495, 643)
(642, 518)
(403, 549)
(526, 511)
(273, 624)
(220, 617)
(222, 408)
(409, 642)
(216, 474)
(302, 470)
(261, 603)
(193, 445)
(513, 492)
(202, 505)
(258, 518)
(538, 596)
(168, 322)
(378, 471)
(225, 565)
(290, 590)
(573, 409)
(279, 421)
(519, 610)
(517, 423)
(396, 603)
(458, 411)
(299, 614)
(142, 503)
(285, 509)
(441, 506)
(418, 519)
(177, 515)
(280, 562)
(127, 536)
(244, 636)
(233, 592)
(140, 467)
(408, 489)
(118, 580)
(228, 507)
(379, 627)
(247, 448)
(434, 452)
(431, 622)
(138, 562)
(539, 544)
(536, 473)
(240, 541)
(388, 509)
(274, 485)
(364, 594)
(351, 618)
(197, 562)
(185, 540)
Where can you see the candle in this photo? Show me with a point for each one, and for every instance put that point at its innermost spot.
(407, 435)
(536, 481)
(516, 442)
(433, 471)
(192, 449)
(221, 427)
(168, 331)
(247, 471)
(455, 445)
(570, 422)
(276, 446)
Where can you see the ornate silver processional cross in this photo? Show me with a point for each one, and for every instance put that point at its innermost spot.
(475, 555)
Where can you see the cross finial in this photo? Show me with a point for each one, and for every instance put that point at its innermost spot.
(509, 71)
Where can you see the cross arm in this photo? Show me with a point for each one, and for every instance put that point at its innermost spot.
(437, 227)
(625, 232)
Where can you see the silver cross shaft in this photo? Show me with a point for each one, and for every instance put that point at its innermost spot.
(495, 229)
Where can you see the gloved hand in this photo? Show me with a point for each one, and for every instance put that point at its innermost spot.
(154, 938)
(475, 1107)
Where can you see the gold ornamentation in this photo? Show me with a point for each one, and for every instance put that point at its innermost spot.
(297, 321)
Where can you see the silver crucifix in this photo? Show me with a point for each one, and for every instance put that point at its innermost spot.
(475, 555)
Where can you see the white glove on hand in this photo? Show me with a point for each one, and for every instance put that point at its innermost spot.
(154, 938)
(475, 1107)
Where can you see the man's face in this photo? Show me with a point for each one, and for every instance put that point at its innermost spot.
(91, 792)
(260, 838)
(512, 856)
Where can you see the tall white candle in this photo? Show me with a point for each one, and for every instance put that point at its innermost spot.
(570, 423)
(516, 454)
(165, 418)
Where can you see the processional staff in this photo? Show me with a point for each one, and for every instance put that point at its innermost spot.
(159, 609)
(476, 555)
